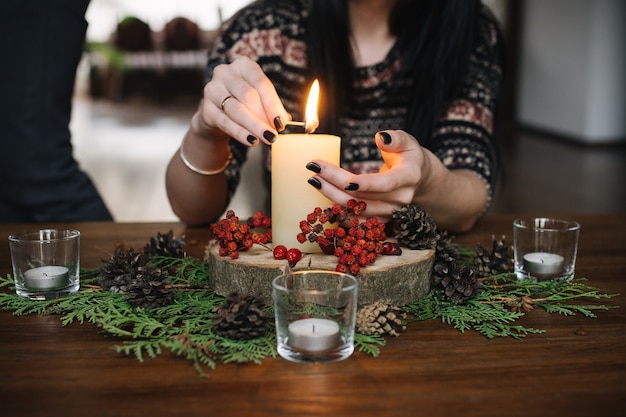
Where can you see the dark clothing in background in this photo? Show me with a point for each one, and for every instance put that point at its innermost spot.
(41, 43)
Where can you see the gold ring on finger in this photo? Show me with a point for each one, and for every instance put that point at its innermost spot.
(224, 102)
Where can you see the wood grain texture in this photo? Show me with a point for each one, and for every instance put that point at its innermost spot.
(576, 368)
(395, 280)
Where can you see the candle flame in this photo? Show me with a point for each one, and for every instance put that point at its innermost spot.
(311, 121)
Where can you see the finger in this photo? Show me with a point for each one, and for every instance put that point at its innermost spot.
(238, 112)
(333, 174)
(246, 81)
(395, 141)
(372, 186)
(232, 114)
(268, 97)
(375, 207)
(402, 156)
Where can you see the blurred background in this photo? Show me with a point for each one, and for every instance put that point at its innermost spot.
(563, 131)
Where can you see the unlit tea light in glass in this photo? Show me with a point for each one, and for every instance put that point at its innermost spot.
(314, 335)
(46, 278)
(46, 263)
(543, 263)
(315, 313)
(545, 248)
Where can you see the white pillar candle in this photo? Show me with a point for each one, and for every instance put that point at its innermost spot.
(543, 263)
(46, 278)
(313, 335)
(292, 197)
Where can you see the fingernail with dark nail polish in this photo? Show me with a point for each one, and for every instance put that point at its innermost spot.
(279, 124)
(312, 166)
(351, 186)
(315, 182)
(386, 137)
(251, 139)
(269, 136)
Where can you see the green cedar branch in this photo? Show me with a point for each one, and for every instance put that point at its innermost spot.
(504, 299)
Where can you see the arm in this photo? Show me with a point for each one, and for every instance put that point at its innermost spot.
(197, 198)
(254, 113)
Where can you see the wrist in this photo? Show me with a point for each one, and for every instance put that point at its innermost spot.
(203, 151)
(198, 170)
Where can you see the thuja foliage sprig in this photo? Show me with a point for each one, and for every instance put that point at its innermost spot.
(187, 271)
(503, 299)
(554, 296)
(191, 317)
(183, 327)
(368, 343)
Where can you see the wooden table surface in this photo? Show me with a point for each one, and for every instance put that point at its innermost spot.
(576, 368)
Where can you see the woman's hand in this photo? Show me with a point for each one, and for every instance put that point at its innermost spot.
(409, 174)
(396, 183)
(241, 102)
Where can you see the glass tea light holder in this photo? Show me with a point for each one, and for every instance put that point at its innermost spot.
(315, 314)
(46, 263)
(545, 248)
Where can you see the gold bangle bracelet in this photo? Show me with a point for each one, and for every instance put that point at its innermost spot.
(197, 170)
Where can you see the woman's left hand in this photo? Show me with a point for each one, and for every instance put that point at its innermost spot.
(401, 177)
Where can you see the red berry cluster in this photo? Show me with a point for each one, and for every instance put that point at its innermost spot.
(233, 236)
(356, 245)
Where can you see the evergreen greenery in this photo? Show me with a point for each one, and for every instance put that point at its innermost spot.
(503, 299)
(184, 327)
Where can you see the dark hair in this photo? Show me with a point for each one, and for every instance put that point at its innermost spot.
(435, 41)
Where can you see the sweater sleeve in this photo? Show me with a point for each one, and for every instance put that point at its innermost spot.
(464, 135)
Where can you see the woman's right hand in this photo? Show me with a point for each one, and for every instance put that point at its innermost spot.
(241, 102)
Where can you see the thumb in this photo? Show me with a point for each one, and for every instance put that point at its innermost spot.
(395, 141)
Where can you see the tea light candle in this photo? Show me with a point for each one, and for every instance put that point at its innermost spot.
(543, 263)
(46, 277)
(313, 335)
(292, 198)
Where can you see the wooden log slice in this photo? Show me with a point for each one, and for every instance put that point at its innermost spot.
(395, 280)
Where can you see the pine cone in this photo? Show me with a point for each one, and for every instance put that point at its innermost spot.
(150, 289)
(458, 283)
(380, 319)
(445, 251)
(240, 317)
(498, 261)
(119, 272)
(414, 228)
(166, 245)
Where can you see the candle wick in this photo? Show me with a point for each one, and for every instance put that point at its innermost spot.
(313, 328)
(45, 274)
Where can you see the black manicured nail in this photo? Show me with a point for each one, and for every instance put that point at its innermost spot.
(312, 166)
(251, 139)
(315, 182)
(351, 186)
(386, 137)
(269, 136)
(279, 124)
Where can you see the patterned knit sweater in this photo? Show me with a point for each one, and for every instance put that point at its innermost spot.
(462, 138)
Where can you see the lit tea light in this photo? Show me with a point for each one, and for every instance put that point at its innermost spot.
(313, 335)
(543, 263)
(46, 278)
(292, 197)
